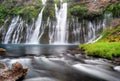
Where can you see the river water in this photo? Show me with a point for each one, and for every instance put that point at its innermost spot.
(52, 63)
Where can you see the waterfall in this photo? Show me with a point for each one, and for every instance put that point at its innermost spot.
(43, 2)
(37, 34)
(60, 33)
(35, 37)
(56, 30)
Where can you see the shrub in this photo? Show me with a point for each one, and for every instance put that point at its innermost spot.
(78, 10)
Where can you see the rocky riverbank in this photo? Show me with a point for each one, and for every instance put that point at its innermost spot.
(81, 55)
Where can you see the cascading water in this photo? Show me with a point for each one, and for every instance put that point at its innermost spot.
(29, 31)
(37, 34)
(16, 38)
(44, 1)
(12, 27)
(50, 31)
(60, 33)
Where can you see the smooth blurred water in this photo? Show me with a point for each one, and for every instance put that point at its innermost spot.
(50, 63)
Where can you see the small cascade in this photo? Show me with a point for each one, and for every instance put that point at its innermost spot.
(3, 30)
(76, 30)
(91, 32)
(11, 28)
(85, 31)
(60, 33)
(29, 31)
(16, 38)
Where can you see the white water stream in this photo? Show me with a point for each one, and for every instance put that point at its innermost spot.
(60, 33)
(35, 37)
(38, 32)
(12, 27)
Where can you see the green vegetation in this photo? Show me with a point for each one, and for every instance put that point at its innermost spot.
(114, 9)
(27, 12)
(3, 13)
(108, 46)
(78, 10)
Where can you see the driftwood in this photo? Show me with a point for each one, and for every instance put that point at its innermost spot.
(12, 74)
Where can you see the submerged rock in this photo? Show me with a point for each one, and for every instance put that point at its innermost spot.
(12, 74)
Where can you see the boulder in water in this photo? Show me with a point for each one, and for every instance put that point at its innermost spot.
(2, 50)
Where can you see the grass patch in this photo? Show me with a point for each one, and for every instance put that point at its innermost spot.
(102, 49)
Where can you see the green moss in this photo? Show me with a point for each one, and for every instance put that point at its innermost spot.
(102, 49)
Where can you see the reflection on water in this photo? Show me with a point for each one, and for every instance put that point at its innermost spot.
(23, 50)
(48, 63)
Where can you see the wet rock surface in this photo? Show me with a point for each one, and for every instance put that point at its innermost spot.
(115, 61)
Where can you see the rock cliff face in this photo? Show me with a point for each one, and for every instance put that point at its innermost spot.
(96, 5)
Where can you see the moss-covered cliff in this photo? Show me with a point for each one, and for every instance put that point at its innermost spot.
(83, 9)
